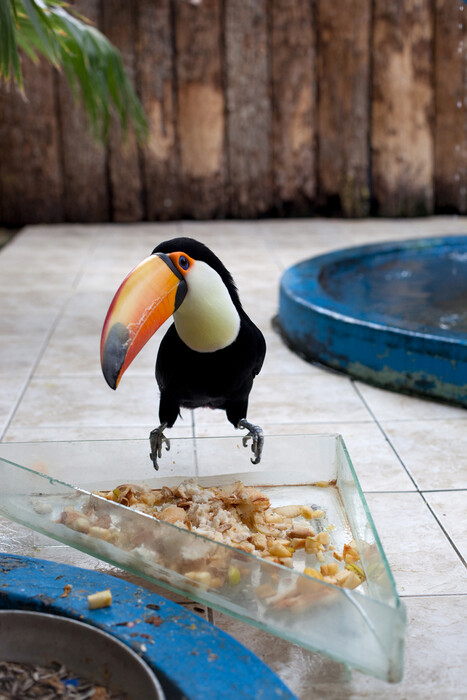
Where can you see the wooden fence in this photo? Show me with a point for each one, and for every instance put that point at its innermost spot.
(256, 108)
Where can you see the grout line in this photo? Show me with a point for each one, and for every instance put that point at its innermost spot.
(35, 364)
(383, 432)
(425, 420)
(448, 536)
(371, 491)
(432, 595)
(60, 312)
(418, 490)
(456, 489)
(193, 429)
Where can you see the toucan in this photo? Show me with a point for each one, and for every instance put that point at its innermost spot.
(210, 354)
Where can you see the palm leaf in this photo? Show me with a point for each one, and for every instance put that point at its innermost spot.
(9, 58)
(92, 65)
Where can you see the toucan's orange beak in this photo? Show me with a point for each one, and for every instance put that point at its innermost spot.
(145, 299)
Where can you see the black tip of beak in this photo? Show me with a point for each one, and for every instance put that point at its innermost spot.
(114, 353)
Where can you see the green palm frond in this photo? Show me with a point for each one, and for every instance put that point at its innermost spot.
(92, 65)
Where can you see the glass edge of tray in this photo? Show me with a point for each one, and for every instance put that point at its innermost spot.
(341, 454)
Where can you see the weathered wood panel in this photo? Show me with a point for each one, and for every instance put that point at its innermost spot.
(118, 25)
(85, 185)
(155, 77)
(451, 107)
(200, 102)
(293, 78)
(248, 107)
(402, 107)
(30, 166)
(255, 107)
(344, 107)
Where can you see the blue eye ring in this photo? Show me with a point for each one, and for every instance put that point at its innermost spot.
(183, 262)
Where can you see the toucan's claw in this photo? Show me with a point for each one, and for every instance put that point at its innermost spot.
(157, 439)
(257, 439)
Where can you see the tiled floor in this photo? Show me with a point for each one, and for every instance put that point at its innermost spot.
(411, 455)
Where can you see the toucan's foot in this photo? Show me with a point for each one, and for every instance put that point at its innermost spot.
(157, 439)
(257, 438)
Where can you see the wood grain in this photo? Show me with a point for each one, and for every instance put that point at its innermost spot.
(85, 184)
(343, 110)
(155, 78)
(293, 79)
(255, 108)
(402, 108)
(451, 107)
(31, 178)
(201, 108)
(124, 163)
(248, 108)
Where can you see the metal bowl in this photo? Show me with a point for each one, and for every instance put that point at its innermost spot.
(40, 638)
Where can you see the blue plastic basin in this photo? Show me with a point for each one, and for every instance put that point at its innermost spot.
(393, 314)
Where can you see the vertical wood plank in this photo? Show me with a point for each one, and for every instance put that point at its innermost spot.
(124, 164)
(451, 107)
(155, 58)
(85, 186)
(200, 101)
(30, 169)
(248, 107)
(343, 110)
(402, 108)
(293, 78)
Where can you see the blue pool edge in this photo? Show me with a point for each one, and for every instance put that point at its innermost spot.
(323, 331)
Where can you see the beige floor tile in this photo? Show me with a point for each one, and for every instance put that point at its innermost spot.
(67, 399)
(450, 507)
(114, 235)
(260, 308)
(19, 352)
(29, 264)
(280, 360)
(15, 538)
(376, 464)
(433, 451)
(412, 538)
(29, 312)
(388, 405)
(52, 434)
(11, 387)
(228, 236)
(68, 402)
(105, 274)
(312, 396)
(74, 347)
(434, 659)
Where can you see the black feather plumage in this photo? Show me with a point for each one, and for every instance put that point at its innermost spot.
(222, 379)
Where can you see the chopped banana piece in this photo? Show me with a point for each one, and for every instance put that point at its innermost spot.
(237, 515)
(101, 599)
(289, 511)
(279, 550)
(329, 569)
(307, 512)
(322, 537)
(309, 571)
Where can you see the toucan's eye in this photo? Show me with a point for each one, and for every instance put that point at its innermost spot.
(183, 262)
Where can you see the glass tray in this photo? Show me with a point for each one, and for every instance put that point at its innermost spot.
(363, 627)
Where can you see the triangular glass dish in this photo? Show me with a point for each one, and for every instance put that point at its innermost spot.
(362, 627)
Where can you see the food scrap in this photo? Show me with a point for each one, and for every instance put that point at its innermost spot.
(101, 599)
(237, 515)
(66, 590)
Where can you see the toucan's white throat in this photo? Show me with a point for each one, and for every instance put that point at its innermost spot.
(207, 319)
